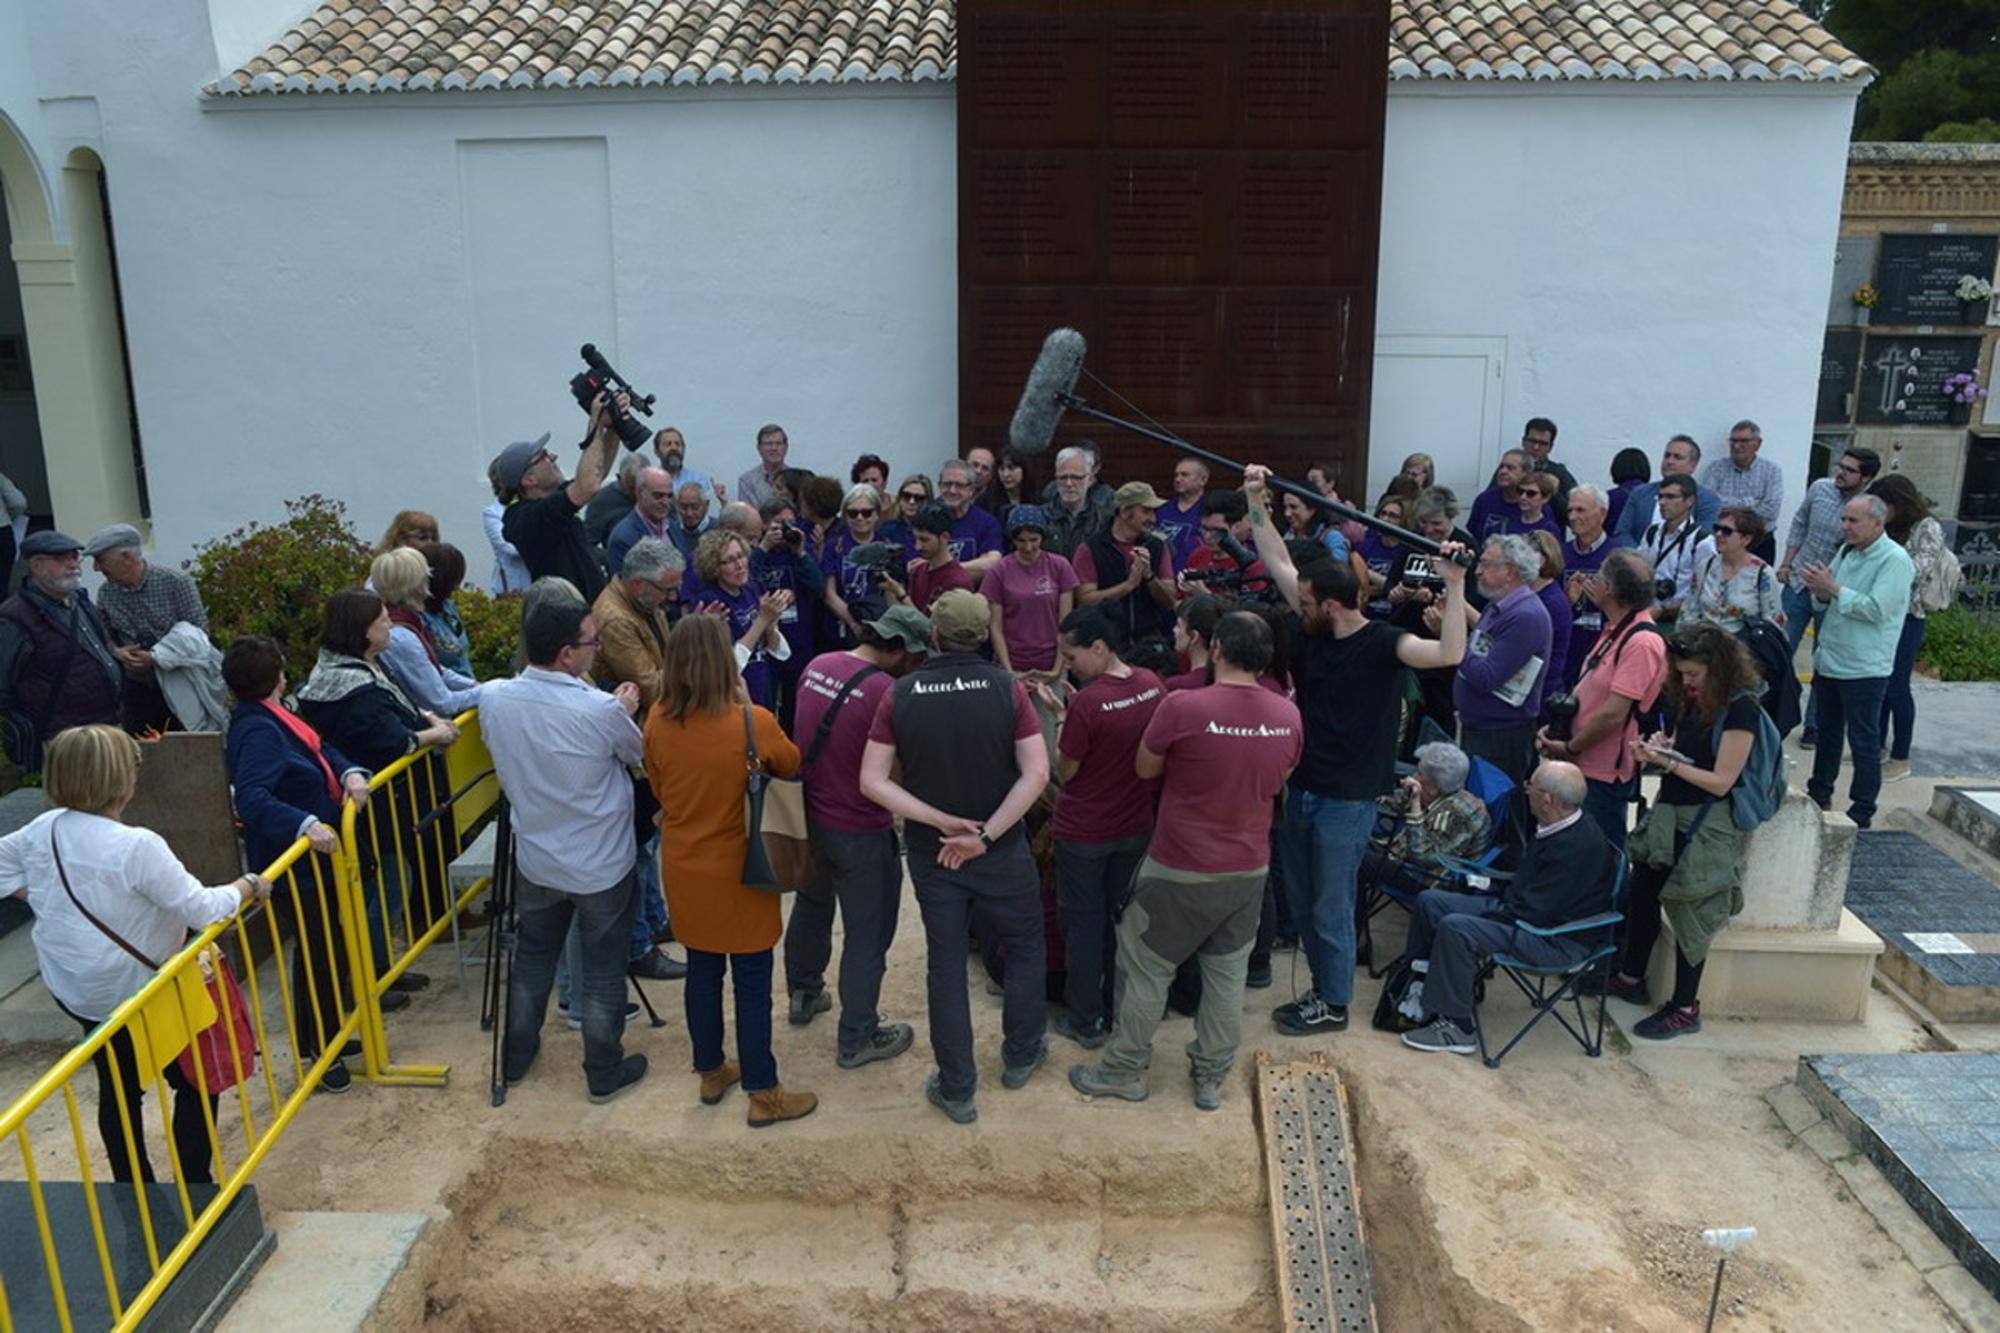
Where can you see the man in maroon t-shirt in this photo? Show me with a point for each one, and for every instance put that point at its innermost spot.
(1225, 751)
(855, 838)
(934, 572)
(1103, 815)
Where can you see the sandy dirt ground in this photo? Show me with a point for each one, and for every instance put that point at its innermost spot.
(1558, 1192)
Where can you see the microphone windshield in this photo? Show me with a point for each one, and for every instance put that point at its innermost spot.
(1055, 372)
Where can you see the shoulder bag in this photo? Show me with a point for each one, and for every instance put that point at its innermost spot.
(188, 1017)
(779, 856)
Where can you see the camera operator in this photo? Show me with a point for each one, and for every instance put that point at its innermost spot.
(1225, 523)
(1676, 546)
(854, 587)
(1346, 667)
(541, 519)
(1621, 678)
(1500, 683)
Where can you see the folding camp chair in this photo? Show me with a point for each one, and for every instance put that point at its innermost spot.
(1549, 988)
(1379, 892)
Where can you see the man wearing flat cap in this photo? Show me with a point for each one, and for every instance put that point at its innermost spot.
(140, 602)
(57, 666)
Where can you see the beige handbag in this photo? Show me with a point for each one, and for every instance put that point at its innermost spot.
(779, 857)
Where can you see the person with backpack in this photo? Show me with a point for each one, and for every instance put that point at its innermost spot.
(1620, 686)
(1935, 584)
(1687, 853)
(1865, 596)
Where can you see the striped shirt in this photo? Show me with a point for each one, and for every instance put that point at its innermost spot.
(1759, 488)
(1815, 533)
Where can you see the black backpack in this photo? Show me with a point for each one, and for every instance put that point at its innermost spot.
(1773, 651)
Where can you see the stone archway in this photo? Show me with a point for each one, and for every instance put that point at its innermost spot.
(70, 309)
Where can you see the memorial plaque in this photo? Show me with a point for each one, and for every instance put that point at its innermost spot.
(1918, 276)
(1197, 188)
(1839, 358)
(1902, 379)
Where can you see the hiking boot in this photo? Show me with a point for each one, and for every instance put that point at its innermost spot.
(1441, 1035)
(1258, 977)
(1091, 1082)
(1632, 992)
(890, 1040)
(1669, 1021)
(962, 1112)
(653, 965)
(1309, 1017)
(716, 1082)
(1015, 1077)
(807, 1002)
(630, 1070)
(336, 1079)
(1089, 1035)
(575, 1020)
(774, 1104)
(1207, 1093)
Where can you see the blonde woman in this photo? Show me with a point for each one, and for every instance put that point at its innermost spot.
(402, 579)
(695, 756)
(93, 881)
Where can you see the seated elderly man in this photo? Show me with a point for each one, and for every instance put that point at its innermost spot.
(1565, 875)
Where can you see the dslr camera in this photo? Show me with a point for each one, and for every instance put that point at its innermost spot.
(1664, 589)
(1561, 708)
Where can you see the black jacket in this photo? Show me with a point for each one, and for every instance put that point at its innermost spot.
(1563, 877)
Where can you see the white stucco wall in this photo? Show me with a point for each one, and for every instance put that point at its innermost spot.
(1630, 260)
(366, 297)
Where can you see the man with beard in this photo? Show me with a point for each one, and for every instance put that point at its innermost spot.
(1349, 693)
(670, 447)
(57, 667)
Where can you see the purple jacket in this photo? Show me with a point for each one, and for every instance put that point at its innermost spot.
(1510, 631)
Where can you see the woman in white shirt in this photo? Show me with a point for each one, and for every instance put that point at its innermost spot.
(76, 862)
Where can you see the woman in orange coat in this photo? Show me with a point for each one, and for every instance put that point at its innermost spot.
(695, 756)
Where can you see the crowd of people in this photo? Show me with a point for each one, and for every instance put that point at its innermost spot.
(1126, 744)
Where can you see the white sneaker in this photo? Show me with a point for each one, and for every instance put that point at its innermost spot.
(1895, 770)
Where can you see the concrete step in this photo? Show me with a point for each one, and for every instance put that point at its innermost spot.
(1934, 898)
(1971, 812)
(328, 1272)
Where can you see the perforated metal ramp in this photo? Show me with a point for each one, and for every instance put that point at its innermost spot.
(1322, 1255)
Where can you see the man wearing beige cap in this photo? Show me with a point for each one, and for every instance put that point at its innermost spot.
(1128, 571)
(141, 601)
(973, 762)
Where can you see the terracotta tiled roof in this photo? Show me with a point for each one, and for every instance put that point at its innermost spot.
(379, 46)
(1613, 39)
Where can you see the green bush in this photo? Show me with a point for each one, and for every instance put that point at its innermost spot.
(275, 580)
(494, 627)
(1958, 645)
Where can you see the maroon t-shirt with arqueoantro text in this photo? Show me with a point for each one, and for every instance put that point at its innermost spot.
(1104, 800)
(1227, 750)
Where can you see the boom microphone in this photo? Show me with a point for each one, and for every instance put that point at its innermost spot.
(1048, 391)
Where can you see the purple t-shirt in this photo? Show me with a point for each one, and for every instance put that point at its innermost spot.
(973, 534)
(742, 610)
(1180, 527)
(1586, 621)
(852, 578)
(833, 783)
(1030, 601)
(1501, 680)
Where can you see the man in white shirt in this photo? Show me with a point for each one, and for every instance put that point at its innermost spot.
(563, 750)
(1677, 545)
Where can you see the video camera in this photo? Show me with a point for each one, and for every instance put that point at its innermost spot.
(601, 378)
(1418, 576)
(875, 557)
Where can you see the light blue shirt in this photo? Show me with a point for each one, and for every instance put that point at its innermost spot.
(1857, 638)
(433, 688)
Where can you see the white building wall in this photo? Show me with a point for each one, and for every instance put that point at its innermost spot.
(1630, 260)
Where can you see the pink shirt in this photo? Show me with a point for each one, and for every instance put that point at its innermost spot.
(1629, 663)
(1030, 601)
(1228, 748)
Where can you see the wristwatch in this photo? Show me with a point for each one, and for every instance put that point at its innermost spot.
(985, 837)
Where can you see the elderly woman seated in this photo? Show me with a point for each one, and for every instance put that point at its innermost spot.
(1429, 815)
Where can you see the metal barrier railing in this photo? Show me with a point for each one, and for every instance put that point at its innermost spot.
(320, 1011)
(420, 812)
(393, 859)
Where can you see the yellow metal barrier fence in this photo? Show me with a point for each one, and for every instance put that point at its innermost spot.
(132, 1050)
(387, 885)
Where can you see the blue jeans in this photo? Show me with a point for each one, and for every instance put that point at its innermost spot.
(750, 977)
(652, 913)
(1610, 804)
(1899, 706)
(1323, 844)
(1799, 613)
(1850, 710)
(602, 920)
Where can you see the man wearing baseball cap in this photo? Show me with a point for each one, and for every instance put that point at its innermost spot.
(541, 519)
(1126, 570)
(973, 762)
(855, 838)
(57, 666)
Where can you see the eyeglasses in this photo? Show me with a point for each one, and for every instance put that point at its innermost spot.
(584, 643)
(861, 513)
(1722, 531)
(913, 497)
(1069, 476)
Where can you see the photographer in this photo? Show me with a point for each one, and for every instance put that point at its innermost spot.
(854, 587)
(1347, 669)
(1620, 679)
(541, 519)
(1676, 546)
(1031, 592)
(1225, 523)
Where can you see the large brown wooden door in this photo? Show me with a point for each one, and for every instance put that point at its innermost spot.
(1196, 187)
